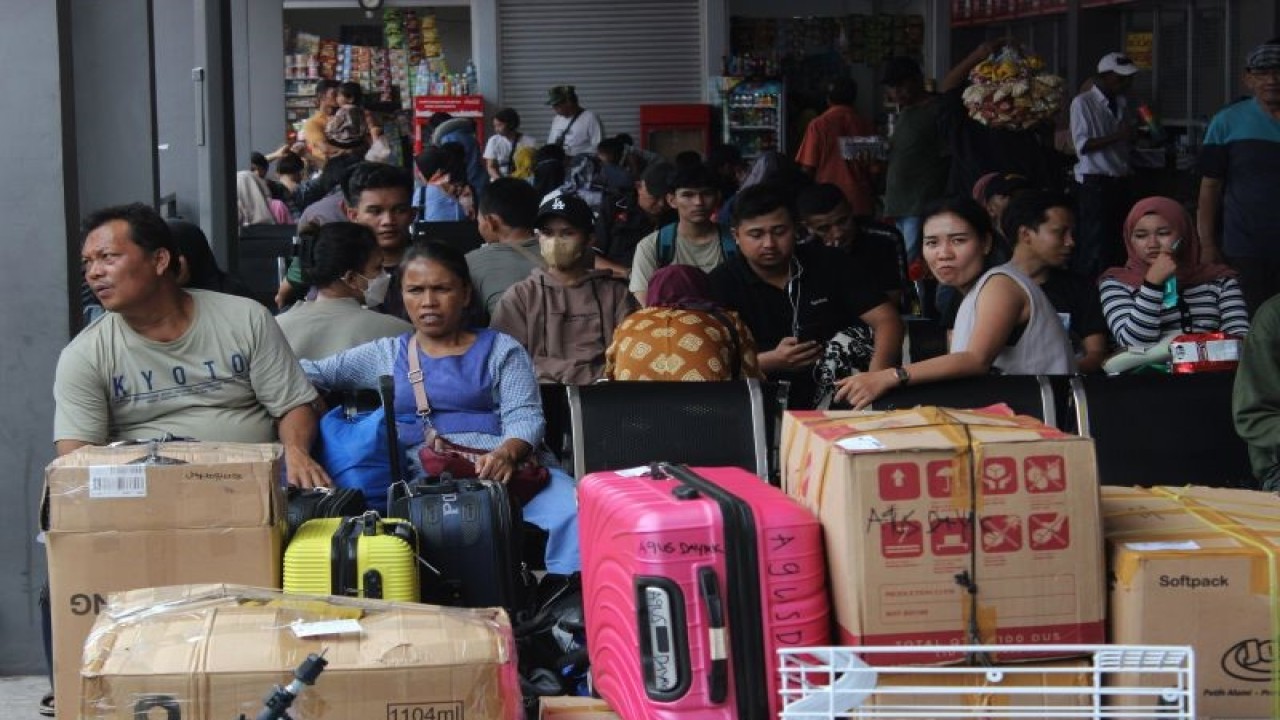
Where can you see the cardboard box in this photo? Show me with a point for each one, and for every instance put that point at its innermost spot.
(575, 708)
(217, 651)
(112, 526)
(1007, 689)
(1198, 566)
(952, 527)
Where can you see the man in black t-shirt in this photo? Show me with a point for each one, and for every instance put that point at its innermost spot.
(876, 249)
(796, 299)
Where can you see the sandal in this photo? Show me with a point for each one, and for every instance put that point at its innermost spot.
(46, 706)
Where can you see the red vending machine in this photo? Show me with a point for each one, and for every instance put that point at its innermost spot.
(424, 106)
(671, 129)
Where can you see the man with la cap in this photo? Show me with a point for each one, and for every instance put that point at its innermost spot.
(1240, 169)
(1102, 133)
(578, 130)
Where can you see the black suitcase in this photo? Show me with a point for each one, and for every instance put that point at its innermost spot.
(315, 503)
(468, 534)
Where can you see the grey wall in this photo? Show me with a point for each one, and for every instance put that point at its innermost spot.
(113, 101)
(175, 103)
(35, 205)
(257, 47)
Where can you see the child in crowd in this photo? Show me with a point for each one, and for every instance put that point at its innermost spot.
(347, 129)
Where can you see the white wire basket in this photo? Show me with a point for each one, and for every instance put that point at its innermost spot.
(1107, 681)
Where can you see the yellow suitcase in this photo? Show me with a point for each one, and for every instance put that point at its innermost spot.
(363, 556)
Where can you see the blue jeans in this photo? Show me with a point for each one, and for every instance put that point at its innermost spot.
(912, 228)
(555, 510)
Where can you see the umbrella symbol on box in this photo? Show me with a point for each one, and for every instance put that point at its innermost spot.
(940, 478)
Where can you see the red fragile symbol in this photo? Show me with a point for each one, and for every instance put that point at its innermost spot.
(1049, 531)
(1001, 533)
(1044, 473)
(899, 481)
(901, 539)
(951, 538)
(940, 476)
(999, 476)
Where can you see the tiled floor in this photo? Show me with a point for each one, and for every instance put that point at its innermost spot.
(19, 696)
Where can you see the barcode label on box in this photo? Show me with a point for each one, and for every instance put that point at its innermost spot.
(325, 627)
(117, 481)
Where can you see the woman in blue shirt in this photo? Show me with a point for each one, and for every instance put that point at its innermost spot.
(480, 385)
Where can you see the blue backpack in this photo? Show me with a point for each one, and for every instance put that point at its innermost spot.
(667, 244)
(353, 447)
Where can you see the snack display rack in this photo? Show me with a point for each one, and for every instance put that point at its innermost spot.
(1110, 681)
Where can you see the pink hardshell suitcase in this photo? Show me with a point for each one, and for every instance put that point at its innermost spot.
(692, 580)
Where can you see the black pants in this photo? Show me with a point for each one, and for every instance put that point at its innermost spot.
(1259, 279)
(46, 627)
(1101, 205)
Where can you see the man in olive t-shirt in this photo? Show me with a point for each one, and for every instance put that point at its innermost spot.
(918, 166)
(167, 360)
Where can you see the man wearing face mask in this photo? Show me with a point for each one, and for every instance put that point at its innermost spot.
(565, 314)
(346, 269)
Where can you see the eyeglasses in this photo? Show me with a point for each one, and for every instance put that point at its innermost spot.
(1267, 72)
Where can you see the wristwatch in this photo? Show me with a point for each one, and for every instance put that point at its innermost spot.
(903, 376)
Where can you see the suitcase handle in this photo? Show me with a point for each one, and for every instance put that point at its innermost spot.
(664, 647)
(718, 676)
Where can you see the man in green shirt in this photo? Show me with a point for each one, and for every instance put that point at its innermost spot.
(190, 363)
(918, 166)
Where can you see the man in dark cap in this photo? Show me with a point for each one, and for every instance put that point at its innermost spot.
(577, 130)
(1240, 169)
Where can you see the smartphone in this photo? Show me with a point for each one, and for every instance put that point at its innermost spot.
(810, 333)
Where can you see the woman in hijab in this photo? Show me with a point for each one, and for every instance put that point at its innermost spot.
(253, 200)
(682, 334)
(1164, 288)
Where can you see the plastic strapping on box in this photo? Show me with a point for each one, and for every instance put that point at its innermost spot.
(969, 578)
(1248, 537)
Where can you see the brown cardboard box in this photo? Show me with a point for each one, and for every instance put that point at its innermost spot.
(1198, 566)
(575, 708)
(973, 690)
(216, 651)
(112, 526)
(922, 554)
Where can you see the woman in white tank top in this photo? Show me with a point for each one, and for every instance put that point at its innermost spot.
(1005, 322)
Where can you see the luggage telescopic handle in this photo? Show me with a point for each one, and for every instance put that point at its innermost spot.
(718, 681)
(387, 392)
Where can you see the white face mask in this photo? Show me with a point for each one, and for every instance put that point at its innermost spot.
(376, 291)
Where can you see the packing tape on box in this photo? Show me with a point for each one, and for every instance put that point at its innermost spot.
(1230, 526)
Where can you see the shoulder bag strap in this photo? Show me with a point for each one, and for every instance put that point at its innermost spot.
(416, 380)
(509, 163)
(565, 133)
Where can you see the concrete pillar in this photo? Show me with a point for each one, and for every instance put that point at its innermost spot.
(40, 254)
(112, 58)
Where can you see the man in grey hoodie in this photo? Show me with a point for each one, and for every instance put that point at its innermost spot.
(565, 314)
